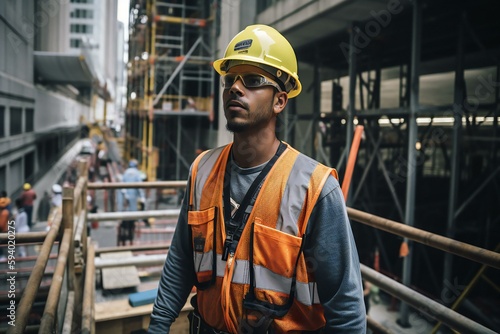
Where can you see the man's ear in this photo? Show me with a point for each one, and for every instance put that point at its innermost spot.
(280, 101)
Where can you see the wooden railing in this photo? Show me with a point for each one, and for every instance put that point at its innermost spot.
(68, 228)
(76, 262)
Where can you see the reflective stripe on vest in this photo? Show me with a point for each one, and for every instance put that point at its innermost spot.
(306, 293)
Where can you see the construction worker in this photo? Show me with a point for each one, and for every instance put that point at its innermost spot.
(28, 196)
(263, 231)
(127, 201)
(21, 225)
(56, 202)
(5, 218)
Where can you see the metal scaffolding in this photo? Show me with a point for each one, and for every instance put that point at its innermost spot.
(428, 165)
(170, 77)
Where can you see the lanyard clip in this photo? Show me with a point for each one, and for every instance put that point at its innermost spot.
(228, 247)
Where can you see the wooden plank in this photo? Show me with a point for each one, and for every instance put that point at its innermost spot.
(118, 309)
(127, 325)
(119, 277)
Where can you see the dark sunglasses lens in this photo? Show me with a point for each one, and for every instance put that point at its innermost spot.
(228, 80)
(253, 80)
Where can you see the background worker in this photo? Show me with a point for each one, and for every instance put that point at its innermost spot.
(263, 231)
(28, 197)
(21, 225)
(5, 216)
(127, 201)
(55, 204)
(6, 199)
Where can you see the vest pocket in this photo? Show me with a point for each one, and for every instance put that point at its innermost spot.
(275, 255)
(203, 225)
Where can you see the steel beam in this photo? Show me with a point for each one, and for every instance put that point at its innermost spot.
(412, 151)
(352, 88)
(458, 111)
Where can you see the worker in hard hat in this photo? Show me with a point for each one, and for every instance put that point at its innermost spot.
(55, 203)
(28, 197)
(263, 232)
(127, 201)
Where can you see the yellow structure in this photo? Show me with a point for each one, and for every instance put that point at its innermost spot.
(169, 77)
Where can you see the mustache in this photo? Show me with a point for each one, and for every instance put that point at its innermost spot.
(236, 102)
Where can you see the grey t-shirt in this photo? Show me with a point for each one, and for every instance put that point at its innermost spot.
(241, 180)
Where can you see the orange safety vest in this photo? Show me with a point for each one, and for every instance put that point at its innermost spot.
(279, 220)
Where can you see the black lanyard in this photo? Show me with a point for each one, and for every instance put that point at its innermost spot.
(235, 224)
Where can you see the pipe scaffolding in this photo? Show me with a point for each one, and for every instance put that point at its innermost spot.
(133, 215)
(24, 238)
(424, 304)
(467, 251)
(88, 291)
(145, 185)
(140, 260)
(35, 279)
(50, 311)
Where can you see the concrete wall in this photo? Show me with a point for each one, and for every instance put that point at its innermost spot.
(55, 111)
(18, 92)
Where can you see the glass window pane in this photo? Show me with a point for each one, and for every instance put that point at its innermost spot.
(30, 120)
(16, 121)
(2, 121)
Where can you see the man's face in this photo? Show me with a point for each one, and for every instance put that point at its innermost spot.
(247, 108)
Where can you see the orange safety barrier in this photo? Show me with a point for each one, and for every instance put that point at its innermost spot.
(352, 160)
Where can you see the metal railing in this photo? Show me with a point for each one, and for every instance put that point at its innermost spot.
(414, 298)
(67, 278)
(75, 245)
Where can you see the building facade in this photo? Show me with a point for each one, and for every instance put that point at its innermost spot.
(50, 84)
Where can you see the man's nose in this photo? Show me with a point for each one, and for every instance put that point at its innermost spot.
(237, 86)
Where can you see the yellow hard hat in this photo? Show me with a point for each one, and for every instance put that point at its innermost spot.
(265, 47)
(27, 186)
(4, 202)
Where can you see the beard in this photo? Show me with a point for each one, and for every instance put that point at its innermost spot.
(261, 117)
(236, 127)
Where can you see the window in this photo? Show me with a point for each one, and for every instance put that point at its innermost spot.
(16, 121)
(75, 43)
(2, 121)
(30, 123)
(262, 5)
(29, 165)
(82, 14)
(3, 178)
(82, 28)
(16, 173)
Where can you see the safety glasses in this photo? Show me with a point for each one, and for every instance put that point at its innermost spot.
(250, 80)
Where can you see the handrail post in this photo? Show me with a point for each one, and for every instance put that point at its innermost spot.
(31, 289)
(88, 291)
(49, 317)
(67, 219)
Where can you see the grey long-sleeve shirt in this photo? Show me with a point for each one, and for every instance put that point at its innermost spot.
(330, 250)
